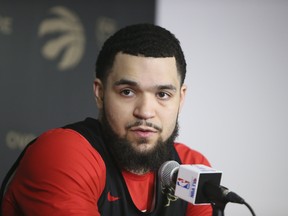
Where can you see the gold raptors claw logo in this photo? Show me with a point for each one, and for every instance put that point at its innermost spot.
(71, 41)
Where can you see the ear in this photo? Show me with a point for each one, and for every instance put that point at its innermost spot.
(98, 92)
(182, 95)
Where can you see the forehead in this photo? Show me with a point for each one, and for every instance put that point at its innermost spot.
(145, 70)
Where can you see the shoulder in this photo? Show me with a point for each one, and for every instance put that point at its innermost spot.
(190, 156)
(64, 154)
(59, 169)
(63, 143)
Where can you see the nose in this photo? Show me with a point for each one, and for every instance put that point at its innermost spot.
(145, 107)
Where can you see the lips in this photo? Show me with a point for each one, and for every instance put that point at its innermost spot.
(143, 132)
(143, 128)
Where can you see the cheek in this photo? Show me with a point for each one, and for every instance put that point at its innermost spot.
(169, 120)
(117, 115)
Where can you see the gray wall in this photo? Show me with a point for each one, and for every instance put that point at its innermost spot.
(47, 55)
(236, 109)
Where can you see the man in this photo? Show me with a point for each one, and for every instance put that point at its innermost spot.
(109, 166)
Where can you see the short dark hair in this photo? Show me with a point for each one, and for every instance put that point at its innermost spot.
(140, 40)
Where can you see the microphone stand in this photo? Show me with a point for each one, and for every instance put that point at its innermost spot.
(217, 195)
(218, 208)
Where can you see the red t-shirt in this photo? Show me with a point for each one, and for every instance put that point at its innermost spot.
(62, 174)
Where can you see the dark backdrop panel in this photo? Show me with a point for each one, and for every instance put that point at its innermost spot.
(47, 57)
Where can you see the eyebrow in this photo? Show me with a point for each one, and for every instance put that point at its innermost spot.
(125, 82)
(167, 87)
(133, 83)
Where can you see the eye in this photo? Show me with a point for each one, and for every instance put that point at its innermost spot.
(163, 95)
(127, 93)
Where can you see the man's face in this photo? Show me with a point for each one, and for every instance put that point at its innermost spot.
(141, 98)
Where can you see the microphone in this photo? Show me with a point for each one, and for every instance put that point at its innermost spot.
(196, 184)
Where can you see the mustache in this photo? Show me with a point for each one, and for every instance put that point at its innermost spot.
(140, 122)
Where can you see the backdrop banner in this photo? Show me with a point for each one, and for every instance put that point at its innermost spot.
(48, 51)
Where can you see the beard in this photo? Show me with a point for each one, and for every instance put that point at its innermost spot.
(127, 157)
